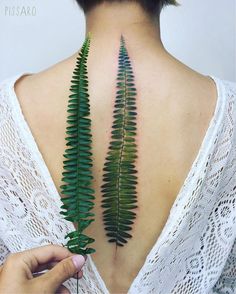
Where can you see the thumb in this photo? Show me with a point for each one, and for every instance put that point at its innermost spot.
(64, 270)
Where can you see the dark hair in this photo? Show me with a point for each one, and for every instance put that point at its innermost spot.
(153, 7)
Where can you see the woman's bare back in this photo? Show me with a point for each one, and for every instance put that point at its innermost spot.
(174, 105)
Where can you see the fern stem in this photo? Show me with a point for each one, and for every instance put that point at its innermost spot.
(120, 158)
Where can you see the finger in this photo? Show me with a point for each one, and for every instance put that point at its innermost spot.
(62, 271)
(79, 274)
(46, 266)
(62, 290)
(35, 257)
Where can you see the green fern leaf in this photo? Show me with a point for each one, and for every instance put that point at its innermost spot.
(120, 180)
(77, 175)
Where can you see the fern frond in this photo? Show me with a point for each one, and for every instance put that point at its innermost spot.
(119, 188)
(77, 175)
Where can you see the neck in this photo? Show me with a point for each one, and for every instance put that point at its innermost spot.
(108, 21)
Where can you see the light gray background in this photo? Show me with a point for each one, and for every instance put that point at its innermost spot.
(200, 33)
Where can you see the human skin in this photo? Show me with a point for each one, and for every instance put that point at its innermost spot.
(16, 274)
(174, 105)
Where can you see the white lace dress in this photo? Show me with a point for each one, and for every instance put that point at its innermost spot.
(196, 251)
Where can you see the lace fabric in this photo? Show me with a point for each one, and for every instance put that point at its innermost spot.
(196, 251)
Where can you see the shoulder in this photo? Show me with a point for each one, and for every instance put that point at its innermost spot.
(50, 82)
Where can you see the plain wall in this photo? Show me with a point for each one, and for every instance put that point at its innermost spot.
(36, 34)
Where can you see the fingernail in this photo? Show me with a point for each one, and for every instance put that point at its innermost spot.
(78, 261)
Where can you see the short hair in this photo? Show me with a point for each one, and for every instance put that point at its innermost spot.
(152, 7)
